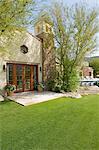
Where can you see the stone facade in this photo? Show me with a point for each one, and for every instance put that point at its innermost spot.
(15, 55)
(44, 31)
(39, 52)
(48, 60)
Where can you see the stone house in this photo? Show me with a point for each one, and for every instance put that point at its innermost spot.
(30, 59)
(86, 71)
(27, 62)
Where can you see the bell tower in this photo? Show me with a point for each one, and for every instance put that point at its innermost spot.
(43, 30)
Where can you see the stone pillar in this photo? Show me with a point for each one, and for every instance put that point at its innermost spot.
(48, 59)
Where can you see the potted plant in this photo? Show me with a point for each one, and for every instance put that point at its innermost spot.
(40, 87)
(97, 83)
(10, 89)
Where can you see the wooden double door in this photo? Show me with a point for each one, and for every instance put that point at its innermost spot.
(23, 76)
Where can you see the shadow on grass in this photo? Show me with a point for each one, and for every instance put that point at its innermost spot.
(6, 100)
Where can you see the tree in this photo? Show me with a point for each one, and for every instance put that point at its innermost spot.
(74, 32)
(14, 14)
(94, 63)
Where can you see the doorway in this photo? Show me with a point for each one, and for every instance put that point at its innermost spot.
(23, 76)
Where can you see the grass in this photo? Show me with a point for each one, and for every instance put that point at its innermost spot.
(62, 124)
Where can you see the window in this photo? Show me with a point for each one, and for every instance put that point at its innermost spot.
(10, 73)
(38, 29)
(24, 49)
(50, 29)
(90, 74)
(47, 28)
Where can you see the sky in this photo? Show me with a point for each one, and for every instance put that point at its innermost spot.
(71, 2)
(89, 3)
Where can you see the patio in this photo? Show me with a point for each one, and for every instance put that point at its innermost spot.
(29, 98)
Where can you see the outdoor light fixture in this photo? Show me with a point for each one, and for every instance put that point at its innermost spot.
(4, 68)
(40, 69)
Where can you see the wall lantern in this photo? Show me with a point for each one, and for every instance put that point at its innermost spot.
(4, 68)
(40, 69)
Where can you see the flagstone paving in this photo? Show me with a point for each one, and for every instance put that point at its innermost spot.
(34, 97)
(28, 98)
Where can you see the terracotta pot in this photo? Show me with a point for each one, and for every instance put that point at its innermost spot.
(10, 93)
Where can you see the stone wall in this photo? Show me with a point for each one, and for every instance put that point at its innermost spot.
(48, 59)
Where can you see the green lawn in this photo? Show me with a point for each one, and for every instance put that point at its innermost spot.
(62, 124)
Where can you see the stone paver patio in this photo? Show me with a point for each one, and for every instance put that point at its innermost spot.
(87, 90)
(29, 98)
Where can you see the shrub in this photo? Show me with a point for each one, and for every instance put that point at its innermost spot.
(57, 88)
(97, 83)
(50, 84)
(10, 88)
(73, 81)
(41, 85)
